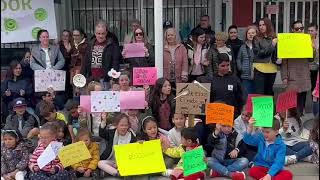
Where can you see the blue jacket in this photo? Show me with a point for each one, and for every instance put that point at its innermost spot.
(271, 156)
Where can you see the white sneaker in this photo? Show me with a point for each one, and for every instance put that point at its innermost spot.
(307, 159)
(167, 173)
(292, 159)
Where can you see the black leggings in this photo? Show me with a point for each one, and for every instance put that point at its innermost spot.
(263, 82)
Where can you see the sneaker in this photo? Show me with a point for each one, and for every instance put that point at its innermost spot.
(167, 173)
(238, 175)
(307, 159)
(251, 164)
(214, 174)
(292, 159)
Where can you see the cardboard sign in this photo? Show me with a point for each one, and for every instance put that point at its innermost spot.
(144, 76)
(137, 158)
(73, 153)
(294, 45)
(49, 154)
(220, 113)
(193, 161)
(132, 100)
(263, 111)
(192, 98)
(286, 100)
(44, 79)
(85, 103)
(105, 101)
(134, 50)
(249, 101)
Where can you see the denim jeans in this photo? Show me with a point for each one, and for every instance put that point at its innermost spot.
(301, 150)
(248, 87)
(315, 108)
(227, 165)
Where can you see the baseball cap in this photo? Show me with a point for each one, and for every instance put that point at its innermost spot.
(19, 102)
(167, 24)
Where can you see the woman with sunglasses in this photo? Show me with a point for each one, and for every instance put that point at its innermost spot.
(264, 49)
(147, 60)
(295, 73)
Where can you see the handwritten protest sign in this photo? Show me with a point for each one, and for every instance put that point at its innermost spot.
(286, 100)
(249, 101)
(73, 153)
(294, 45)
(105, 101)
(85, 103)
(49, 154)
(134, 50)
(136, 158)
(132, 99)
(220, 113)
(43, 79)
(263, 111)
(193, 161)
(144, 76)
(192, 98)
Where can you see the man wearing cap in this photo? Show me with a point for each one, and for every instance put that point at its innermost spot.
(21, 120)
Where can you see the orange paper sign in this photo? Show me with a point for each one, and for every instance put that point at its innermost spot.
(219, 113)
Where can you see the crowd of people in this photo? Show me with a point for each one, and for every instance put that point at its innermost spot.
(234, 67)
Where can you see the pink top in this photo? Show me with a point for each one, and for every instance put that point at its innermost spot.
(316, 89)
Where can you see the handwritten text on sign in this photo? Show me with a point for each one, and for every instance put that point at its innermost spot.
(294, 45)
(263, 111)
(136, 158)
(144, 76)
(73, 153)
(192, 98)
(193, 161)
(43, 79)
(219, 113)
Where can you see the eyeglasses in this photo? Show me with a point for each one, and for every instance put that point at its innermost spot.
(8, 131)
(139, 34)
(299, 28)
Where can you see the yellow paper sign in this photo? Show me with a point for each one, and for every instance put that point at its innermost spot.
(294, 45)
(73, 153)
(137, 158)
(219, 113)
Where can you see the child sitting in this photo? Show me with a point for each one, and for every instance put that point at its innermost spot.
(53, 170)
(14, 156)
(133, 118)
(63, 134)
(21, 120)
(72, 115)
(314, 142)
(87, 167)
(269, 161)
(120, 135)
(189, 141)
(225, 160)
(174, 135)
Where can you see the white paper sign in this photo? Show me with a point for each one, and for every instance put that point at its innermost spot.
(105, 101)
(49, 154)
(44, 79)
(22, 19)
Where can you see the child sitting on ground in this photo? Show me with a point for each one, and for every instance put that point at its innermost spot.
(269, 161)
(14, 156)
(225, 159)
(174, 135)
(63, 134)
(87, 167)
(189, 141)
(53, 170)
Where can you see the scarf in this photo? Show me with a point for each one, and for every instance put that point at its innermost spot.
(197, 54)
(77, 45)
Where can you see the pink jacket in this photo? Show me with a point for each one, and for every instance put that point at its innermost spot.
(316, 89)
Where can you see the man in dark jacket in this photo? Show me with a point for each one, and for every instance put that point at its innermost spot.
(205, 25)
(103, 53)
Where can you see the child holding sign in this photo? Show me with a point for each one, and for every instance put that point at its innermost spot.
(87, 167)
(122, 134)
(269, 161)
(225, 160)
(53, 170)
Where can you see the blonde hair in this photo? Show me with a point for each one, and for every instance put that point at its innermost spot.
(221, 35)
(248, 28)
(166, 33)
(83, 132)
(92, 85)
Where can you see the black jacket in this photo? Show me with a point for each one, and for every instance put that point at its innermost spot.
(111, 58)
(208, 32)
(235, 46)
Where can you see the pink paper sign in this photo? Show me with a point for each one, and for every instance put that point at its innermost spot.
(144, 76)
(249, 101)
(134, 50)
(85, 103)
(132, 99)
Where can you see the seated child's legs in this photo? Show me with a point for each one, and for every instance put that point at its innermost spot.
(284, 174)
(170, 162)
(38, 176)
(61, 175)
(199, 175)
(109, 167)
(238, 164)
(301, 150)
(258, 172)
(219, 167)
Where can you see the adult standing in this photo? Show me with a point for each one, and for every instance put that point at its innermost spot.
(102, 54)
(295, 73)
(175, 59)
(205, 25)
(314, 65)
(130, 36)
(234, 42)
(264, 48)
(245, 60)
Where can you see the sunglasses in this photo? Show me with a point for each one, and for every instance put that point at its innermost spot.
(8, 131)
(139, 34)
(299, 28)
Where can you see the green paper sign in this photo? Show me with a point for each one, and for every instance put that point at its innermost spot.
(263, 111)
(193, 161)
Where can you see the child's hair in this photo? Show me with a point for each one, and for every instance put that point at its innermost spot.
(184, 115)
(314, 133)
(71, 104)
(62, 125)
(124, 73)
(83, 132)
(143, 135)
(42, 94)
(118, 118)
(13, 133)
(47, 109)
(50, 126)
(189, 133)
(275, 124)
(92, 85)
(294, 113)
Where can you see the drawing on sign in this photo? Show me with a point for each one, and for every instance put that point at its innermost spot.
(43, 79)
(105, 101)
